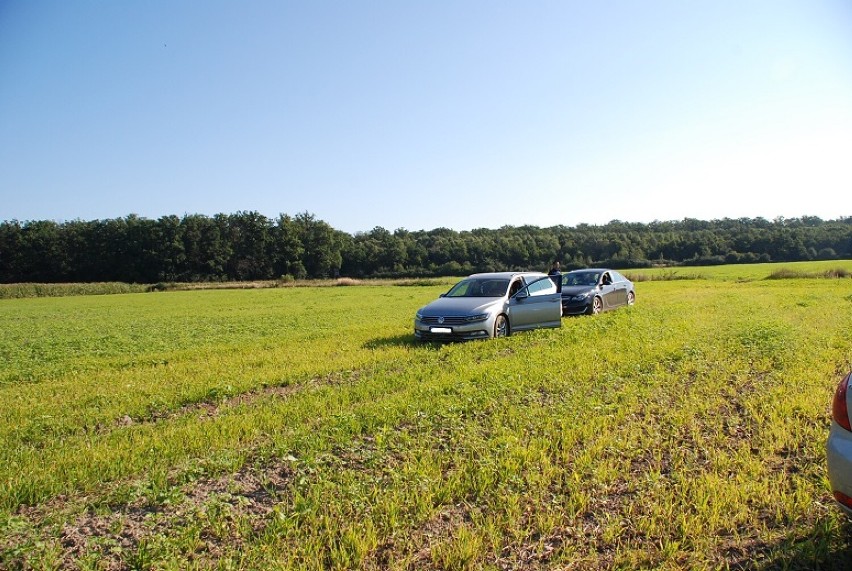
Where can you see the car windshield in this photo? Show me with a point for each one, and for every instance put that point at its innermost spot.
(479, 287)
(580, 278)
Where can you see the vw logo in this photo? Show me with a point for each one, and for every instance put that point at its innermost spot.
(440, 320)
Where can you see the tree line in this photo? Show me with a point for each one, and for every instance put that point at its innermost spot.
(251, 246)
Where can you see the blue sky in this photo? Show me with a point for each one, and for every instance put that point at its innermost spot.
(421, 115)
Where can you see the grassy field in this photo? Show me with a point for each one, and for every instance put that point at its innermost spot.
(303, 428)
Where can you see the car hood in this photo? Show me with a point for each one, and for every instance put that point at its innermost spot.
(448, 306)
(576, 290)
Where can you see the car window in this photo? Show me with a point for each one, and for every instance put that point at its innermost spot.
(460, 289)
(580, 279)
(479, 287)
(493, 288)
(616, 277)
(541, 286)
(515, 287)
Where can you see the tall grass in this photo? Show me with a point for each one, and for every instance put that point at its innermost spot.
(667, 275)
(786, 274)
(25, 290)
(742, 272)
(28, 290)
(748, 272)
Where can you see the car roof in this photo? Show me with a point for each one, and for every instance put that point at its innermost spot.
(507, 275)
(590, 270)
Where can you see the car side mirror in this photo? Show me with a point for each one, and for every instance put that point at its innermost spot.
(443, 295)
(521, 295)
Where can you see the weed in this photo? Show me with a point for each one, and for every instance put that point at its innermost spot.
(787, 273)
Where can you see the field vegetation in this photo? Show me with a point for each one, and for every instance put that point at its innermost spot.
(303, 428)
(24, 290)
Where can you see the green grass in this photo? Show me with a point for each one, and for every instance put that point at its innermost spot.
(747, 272)
(25, 290)
(303, 428)
(28, 290)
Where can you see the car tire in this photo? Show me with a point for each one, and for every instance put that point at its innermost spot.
(631, 298)
(501, 326)
(595, 307)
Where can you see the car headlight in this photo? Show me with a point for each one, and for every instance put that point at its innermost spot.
(474, 318)
(418, 316)
(580, 296)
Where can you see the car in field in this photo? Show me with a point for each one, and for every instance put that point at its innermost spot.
(839, 447)
(489, 305)
(593, 290)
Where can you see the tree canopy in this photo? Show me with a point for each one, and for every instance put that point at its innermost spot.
(250, 246)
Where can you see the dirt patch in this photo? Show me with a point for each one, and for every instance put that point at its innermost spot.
(416, 548)
(212, 408)
(247, 497)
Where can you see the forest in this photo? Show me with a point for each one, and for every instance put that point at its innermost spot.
(248, 245)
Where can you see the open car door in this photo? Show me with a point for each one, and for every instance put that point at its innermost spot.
(538, 304)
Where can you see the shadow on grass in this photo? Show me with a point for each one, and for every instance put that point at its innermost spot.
(394, 341)
(408, 340)
(826, 548)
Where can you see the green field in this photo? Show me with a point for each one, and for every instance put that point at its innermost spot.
(303, 428)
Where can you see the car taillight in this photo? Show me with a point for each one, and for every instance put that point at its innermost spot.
(843, 499)
(839, 410)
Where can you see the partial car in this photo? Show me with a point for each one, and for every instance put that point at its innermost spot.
(593, 290)
(839, 447)
(487, 305)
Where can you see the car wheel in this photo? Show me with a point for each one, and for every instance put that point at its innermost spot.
(631, 298)
(595, 307)
(501, 326)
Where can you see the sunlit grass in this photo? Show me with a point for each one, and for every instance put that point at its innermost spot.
(30, 290)
(300, 428)
(27, 290)
(747, 272)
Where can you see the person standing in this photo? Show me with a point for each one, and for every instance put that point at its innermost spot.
(556, 275)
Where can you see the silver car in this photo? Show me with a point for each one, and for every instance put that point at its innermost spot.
(839, 447)
(491, 305)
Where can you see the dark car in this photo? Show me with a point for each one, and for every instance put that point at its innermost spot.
(593, 290)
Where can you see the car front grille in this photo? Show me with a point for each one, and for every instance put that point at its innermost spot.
(448, 321)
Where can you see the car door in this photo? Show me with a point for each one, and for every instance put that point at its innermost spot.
(608, 291)
(538, 304)
(620, 286)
